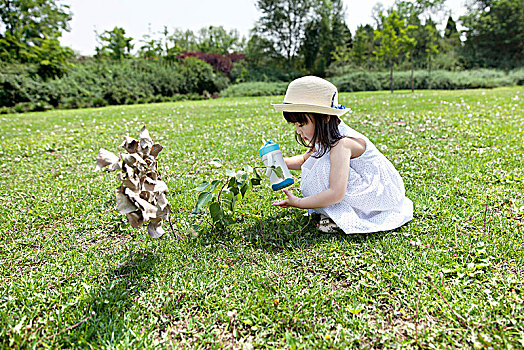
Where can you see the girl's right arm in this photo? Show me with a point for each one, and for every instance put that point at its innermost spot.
(295, 162)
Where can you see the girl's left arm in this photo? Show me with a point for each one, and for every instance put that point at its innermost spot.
(339, 157)
(295, 163)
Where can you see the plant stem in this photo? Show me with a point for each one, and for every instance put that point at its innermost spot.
(171, 225)
(419, 282)
(461, 320)
(261, 222)
(68, 328)
(307, 223)
(221, 189)
(485, 214)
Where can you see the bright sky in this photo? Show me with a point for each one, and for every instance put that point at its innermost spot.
(138, 17)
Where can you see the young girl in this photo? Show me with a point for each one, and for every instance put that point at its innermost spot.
(345, 178)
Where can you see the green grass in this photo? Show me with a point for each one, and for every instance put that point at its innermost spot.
(74, 274)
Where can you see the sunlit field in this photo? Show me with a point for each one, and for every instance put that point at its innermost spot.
(75, 274)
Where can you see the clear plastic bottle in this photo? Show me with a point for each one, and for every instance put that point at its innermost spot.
(272, 156)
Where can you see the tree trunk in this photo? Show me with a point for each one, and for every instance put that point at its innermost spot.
(391, 75)
(412, 83)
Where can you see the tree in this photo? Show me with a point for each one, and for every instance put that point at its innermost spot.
(427, 38)
(217, 40)
(376, 11)
(283, 23)
(261, 55)
(325, 34)
(53, 59)
(432, 37)
(363, 45)
(29, 22)
(115, 44)
(410, 9)
(340, 30)
(151, 48)
(29, 32)
(391, 38)
(494, 33)
(410, 43)
(181, 40)
(450, 44)
(342, 53)
(451, 33)
(311, 43)
(259, 51)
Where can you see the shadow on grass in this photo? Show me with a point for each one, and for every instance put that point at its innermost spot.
(108, 307)
(288, 230)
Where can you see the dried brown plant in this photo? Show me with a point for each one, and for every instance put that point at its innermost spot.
(142, 194)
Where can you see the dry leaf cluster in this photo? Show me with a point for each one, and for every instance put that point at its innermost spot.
(142, 194)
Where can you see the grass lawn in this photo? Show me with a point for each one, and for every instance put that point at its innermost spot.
(74, 274)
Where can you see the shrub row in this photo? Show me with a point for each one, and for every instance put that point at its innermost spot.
(94, 84)
(374, 81)
(442, 80)
(255, 89)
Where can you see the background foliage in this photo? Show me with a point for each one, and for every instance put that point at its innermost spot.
(290, 39)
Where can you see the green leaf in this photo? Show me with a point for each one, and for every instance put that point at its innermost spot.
(203, 199)
(244, 188)
(278, 171)
(255, 181)
(228, 199)
(216, 211)
(214, 185)
(356, 310)
(227, 220)
(232, 183)
(201, 187)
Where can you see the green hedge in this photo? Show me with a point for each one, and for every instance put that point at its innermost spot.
(442, 80)
(100, 83)
(373, 81)
(255, 89)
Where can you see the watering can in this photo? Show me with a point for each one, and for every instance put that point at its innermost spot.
(272, 156)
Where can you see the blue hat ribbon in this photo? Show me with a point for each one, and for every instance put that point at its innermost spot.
(333, 103)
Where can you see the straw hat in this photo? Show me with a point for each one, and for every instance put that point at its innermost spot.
(311, 94)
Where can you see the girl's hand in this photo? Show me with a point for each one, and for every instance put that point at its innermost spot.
(290, 201)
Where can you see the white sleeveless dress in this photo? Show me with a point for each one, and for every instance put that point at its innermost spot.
(375, 197)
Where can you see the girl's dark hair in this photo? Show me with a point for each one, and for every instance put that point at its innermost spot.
(326, 133)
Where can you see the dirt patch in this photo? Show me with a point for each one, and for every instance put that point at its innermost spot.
(192, 331)
(398, 326)
(506, 267)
